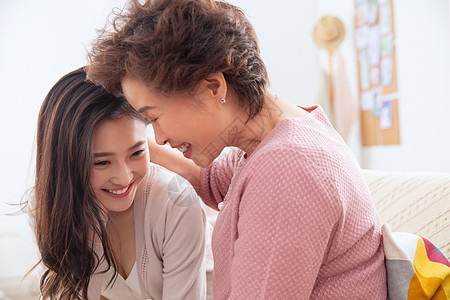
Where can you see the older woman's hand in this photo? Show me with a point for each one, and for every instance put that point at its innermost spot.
(174, 161)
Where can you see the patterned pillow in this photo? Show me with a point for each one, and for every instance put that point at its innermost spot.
(416, 269)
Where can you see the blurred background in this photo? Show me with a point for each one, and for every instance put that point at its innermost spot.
(42, 40)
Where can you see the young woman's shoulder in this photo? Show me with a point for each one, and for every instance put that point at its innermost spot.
(164, 187)
(170, 225)
(164, 201)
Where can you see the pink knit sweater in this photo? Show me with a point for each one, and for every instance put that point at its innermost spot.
(299, 221)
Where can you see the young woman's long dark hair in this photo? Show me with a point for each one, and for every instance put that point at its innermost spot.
(66, 215)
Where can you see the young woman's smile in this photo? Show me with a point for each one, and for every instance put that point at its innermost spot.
(119, 193)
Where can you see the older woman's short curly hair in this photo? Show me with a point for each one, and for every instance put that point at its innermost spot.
(173, 44)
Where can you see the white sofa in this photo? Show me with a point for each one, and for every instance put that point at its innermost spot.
(418, 203)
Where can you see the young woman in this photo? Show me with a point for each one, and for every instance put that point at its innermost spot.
(108, 223)
(296, 217)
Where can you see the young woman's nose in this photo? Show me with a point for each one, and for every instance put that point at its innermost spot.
(123, 174)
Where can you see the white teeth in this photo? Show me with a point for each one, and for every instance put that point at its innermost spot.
(118, 192)
(184, 147)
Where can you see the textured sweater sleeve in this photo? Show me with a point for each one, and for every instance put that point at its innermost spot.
(215, 180)
(283, 228)
(184, 270)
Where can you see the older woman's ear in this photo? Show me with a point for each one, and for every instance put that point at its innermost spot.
(216, 85)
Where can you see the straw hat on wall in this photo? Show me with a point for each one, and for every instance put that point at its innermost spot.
(329, 32)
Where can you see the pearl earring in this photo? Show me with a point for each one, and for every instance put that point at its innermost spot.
(222, 100)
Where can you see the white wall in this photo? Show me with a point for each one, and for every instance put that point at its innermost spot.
(423, 72)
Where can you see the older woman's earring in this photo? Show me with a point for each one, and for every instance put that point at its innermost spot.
(222, 100)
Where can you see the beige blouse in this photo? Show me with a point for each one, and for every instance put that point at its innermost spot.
(123, 288)
(170, 240)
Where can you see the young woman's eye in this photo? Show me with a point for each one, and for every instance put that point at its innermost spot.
(138, 153)
(101, 163)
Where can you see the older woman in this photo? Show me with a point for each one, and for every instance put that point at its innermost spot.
(296, 217)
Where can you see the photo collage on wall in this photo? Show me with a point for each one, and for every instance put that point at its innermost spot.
(375, 49)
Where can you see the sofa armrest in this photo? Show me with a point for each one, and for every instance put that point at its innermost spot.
(418, 203)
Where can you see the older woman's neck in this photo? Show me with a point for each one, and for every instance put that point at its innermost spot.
(258, 127)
